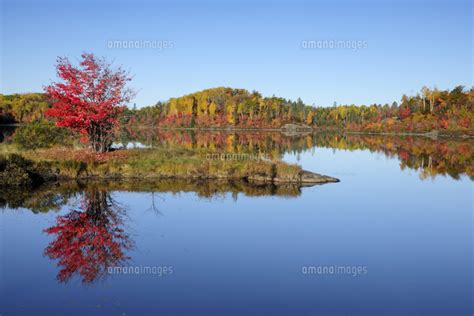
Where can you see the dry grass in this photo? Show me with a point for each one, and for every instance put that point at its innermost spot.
(170, 162)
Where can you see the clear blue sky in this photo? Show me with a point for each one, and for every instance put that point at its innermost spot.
(255, 45)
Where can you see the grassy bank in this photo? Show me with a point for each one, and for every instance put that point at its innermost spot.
(143, 164)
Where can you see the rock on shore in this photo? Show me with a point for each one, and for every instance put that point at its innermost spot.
(304, 178)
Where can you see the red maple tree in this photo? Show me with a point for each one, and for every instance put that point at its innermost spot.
(404, 112)
(89, 98)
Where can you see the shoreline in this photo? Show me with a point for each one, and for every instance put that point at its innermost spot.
(300, 130)
(302, 178)
(36, 167)
(304, 131)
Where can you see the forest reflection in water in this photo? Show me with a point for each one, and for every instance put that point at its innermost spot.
(50, 197)
(430, 157)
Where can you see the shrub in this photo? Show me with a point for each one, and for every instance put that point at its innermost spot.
(18, 171)
(42, 134)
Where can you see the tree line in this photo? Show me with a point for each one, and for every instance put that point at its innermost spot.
(23, 108)
(430, 109)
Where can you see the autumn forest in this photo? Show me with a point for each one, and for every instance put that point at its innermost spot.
(447, 111)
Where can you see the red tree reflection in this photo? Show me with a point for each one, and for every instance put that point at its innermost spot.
(91, 240)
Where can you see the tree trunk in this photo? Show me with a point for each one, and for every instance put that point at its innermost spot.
(100, 138)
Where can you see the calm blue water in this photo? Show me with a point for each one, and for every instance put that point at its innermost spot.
(245, 255)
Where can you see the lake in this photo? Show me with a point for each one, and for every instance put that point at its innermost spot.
(393, 237)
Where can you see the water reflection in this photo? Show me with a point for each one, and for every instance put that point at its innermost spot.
(42, 199)
(51, 197)
(429, 157)
(90, 239)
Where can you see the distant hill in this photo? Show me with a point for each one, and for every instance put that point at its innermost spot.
(226, 107)
(431, 109)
